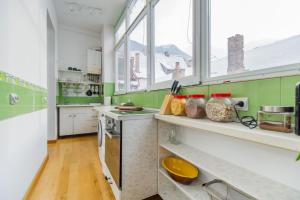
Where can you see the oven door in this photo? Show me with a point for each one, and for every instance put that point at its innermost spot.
(113, 155)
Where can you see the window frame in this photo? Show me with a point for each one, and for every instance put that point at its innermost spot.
(188, 80)
(135, 23)
(120, 43)
(272, 72)
(201, 51)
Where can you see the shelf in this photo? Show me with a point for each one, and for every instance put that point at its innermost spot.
(244, 180)
(70, 71)
(194, 191)
(282, 140)
(83, 83)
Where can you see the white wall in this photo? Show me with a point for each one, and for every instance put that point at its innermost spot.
(73, 44)
(108, 53)
(23, 53)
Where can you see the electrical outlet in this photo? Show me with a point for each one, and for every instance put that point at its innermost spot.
(244, 100)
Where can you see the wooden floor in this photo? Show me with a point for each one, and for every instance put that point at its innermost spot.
(73, 172)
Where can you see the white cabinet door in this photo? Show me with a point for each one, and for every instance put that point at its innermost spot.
(84, 124)
(66, 124)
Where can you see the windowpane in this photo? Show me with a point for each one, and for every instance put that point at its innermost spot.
(120, 31)
(120, 65)
(253, 34)
(138, 56)
(173, 39)
(135, 9)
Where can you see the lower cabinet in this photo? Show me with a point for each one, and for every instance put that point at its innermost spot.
(74, 121)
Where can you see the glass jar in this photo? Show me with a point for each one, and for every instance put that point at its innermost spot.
(178, 105)
(220, 108)
(195, 106)
(276, 118)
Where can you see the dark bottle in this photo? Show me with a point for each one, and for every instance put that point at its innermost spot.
(297, 110)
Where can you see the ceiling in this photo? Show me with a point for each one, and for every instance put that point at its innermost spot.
(88, 14)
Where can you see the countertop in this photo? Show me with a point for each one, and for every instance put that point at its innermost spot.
(79, 105)
(107, 110)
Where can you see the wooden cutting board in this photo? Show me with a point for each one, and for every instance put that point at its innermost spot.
(129, 108)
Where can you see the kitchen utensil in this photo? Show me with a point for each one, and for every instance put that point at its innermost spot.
(178, 90)
(174, 86)
(165, 108)
(129, 108)
(94, 89)
(180, 170)
(89, 92)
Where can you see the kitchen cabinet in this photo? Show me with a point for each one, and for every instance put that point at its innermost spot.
(67, 124)
(77, 120)
(94, 61)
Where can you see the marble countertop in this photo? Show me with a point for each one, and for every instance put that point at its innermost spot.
(107, 110)
(79, 105)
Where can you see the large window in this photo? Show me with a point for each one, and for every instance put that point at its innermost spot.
(120, 31)
(253, 35)
(135, 9)
(223, 39)
(120, 69)
(138, 71)
(173, 36)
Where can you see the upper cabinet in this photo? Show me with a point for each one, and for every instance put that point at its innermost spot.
(94, 60)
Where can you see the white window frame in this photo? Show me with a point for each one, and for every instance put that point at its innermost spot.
(120, 43)
(277, 71)
(140, 17)
(118, 25)
(189, 80)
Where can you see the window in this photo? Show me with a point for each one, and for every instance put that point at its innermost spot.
(120, 31)
(120, 69)
(253, 35)
(135, 9)
(138, 57)
(173, 51)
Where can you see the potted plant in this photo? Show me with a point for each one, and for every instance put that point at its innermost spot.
(298, 158)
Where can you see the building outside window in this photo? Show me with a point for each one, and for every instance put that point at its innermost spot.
(173, 39)
(120, 68)
(137, 42)
(253, 35)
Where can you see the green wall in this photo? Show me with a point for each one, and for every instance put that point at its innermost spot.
(272, 91)
(108, 90)
(31, 97)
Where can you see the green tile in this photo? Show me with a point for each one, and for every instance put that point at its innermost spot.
(108, 89)
(288, 85)
(30, 96)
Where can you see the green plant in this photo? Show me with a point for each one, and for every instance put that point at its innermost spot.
(298, 158)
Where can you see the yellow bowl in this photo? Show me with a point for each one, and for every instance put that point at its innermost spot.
(180, 170)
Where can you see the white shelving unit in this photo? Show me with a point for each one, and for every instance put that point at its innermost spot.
(282, 140)
(195, 191)
(242, 179)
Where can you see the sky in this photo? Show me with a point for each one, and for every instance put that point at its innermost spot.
(260, 21)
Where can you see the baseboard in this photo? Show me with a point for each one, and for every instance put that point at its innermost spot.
(52, 141)
(36, 178)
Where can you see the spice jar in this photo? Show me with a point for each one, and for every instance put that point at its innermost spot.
(220, 108)
(276, 118)
(178, 105)
(195, 106)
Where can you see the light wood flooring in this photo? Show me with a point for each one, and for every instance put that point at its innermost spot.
(73, 172)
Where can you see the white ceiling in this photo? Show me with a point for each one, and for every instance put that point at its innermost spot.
(111, 10)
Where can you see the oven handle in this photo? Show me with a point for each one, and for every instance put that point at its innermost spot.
(111, 136)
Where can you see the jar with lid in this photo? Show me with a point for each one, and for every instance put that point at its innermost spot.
(195, 106)
(178, 105)
(220, 108)
(276, 118)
